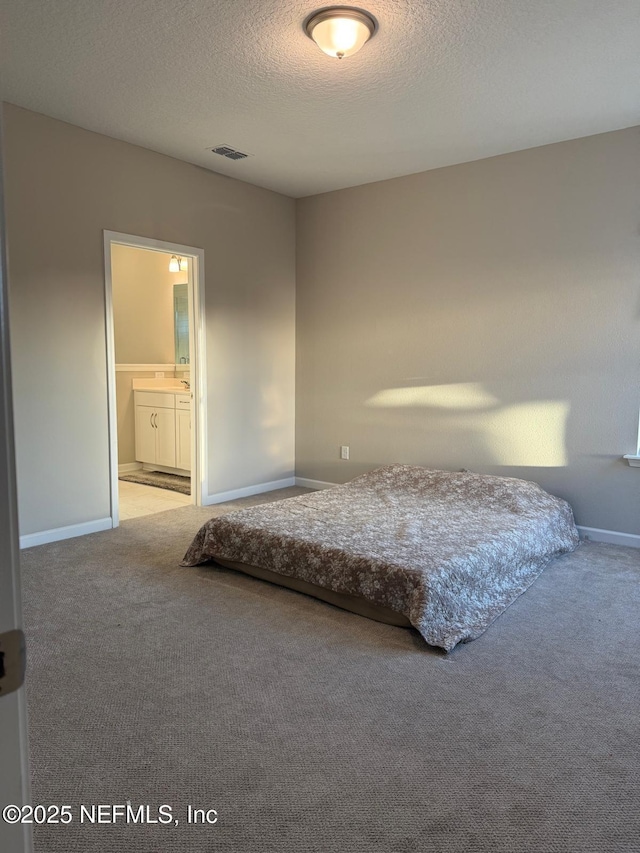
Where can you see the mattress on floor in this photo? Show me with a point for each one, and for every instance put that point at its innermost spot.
(449, 551)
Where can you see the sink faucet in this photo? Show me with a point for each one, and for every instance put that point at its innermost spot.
(186, 384)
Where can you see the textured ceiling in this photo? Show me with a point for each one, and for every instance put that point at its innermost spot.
(442, 82)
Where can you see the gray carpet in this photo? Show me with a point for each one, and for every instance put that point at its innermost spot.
(160, 480)
(312, 730)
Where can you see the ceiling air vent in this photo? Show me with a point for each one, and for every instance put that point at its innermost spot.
(229, 152)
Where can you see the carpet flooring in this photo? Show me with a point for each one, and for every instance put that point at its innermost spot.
(312, 730)
(160, 480)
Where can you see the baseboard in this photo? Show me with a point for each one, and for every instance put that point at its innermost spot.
(234, 494)
(314, 484)
(164, 469)
(129, 468)
(612, 537)
(29, 540)
(57, 534)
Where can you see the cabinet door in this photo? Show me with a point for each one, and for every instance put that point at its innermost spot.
(145, 434)
(165, 420)
(183, 439)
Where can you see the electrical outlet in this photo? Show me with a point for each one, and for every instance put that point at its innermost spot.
(159, 374)
(344, 452)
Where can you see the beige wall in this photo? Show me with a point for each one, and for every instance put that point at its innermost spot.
(143, 305)
(64, 186)
(481, 316)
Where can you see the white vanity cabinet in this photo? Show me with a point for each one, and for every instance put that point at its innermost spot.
(183, 431)
(155, 428)
(163, 428)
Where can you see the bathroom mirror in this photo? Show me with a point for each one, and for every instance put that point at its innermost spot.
(181, 322)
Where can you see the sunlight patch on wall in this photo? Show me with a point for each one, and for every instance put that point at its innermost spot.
(461, 395)
(529, 434)
(272, 411)
(272, 419)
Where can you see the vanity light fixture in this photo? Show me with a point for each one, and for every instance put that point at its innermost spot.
(177, 264)
(340, 30)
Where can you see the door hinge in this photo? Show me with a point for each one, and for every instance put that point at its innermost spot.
(13, 661)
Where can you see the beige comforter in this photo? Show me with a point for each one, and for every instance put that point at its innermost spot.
(449, 550)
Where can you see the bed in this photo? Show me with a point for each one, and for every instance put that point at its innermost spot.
(444, 552)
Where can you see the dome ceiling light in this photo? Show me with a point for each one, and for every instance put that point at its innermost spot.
(340, 30)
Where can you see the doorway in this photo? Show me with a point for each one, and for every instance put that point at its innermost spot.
(154, 299)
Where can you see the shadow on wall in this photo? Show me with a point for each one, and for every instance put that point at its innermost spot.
(528, 434)
(257, 421)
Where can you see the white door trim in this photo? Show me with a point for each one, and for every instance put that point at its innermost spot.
(198, 365)
(14, 759)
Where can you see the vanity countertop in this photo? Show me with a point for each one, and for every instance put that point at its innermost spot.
(160, 386)
(161, 390)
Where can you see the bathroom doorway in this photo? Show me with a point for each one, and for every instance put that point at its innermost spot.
(154, 299)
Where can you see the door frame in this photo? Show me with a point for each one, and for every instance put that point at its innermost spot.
(197, 364)
(14, 751)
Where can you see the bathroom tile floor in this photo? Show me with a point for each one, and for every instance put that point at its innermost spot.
(137, 500)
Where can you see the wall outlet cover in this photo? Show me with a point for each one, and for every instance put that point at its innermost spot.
(344, 451)
(159, 374)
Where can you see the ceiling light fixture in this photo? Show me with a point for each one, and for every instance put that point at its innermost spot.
(340, 30)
